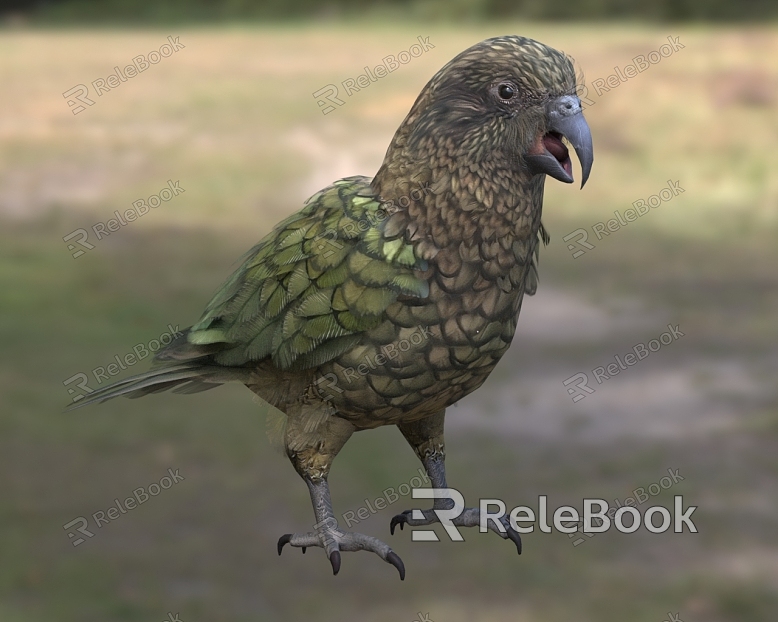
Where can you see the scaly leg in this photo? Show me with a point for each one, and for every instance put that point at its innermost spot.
(312, 456)
(426, 438)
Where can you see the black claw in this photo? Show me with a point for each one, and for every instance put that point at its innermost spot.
(305, 547)
(335, 561)
(399, 519)
(514, 535)
(283, 540)
(394, 559)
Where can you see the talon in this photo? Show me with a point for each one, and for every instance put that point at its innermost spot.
(515, 537)
(394, 559)
(283, 540)
(305, 547)
(335, 561)
(399, 519)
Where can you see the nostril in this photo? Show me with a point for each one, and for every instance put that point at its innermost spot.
(565, 107)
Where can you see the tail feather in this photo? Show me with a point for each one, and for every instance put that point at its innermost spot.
(185, 378)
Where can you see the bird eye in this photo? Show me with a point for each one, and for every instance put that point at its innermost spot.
(506, 91)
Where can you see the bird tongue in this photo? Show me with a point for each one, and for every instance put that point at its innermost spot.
(555, 146)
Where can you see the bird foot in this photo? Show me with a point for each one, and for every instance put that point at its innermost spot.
(470, 517)
(333, 540)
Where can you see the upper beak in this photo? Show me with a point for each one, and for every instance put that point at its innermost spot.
(549, 155)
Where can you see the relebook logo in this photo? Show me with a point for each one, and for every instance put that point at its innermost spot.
(656, 519)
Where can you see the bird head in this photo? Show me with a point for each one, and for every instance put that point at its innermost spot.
(503, 105)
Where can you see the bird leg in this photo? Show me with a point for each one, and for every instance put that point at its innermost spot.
(312, 461)
(426, 438)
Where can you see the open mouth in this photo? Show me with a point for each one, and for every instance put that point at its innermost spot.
(554, 145)
(549, 155)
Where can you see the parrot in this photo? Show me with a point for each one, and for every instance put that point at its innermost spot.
(385, 300)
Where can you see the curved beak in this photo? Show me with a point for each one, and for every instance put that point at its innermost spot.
(549, 155)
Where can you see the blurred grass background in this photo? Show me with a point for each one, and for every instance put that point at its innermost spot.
(233, 118)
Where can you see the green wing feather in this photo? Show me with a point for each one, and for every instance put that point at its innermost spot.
(310, 289)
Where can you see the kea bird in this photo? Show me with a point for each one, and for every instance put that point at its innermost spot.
(383, 301)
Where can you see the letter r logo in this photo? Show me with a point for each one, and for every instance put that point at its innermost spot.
(581, 242)
(82, 529)
(444, 516)
(580, 390)
(81, 385)
(82, 236)
(76, 95)
(328, 95)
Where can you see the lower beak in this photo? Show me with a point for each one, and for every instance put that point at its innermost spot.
(550, 155)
